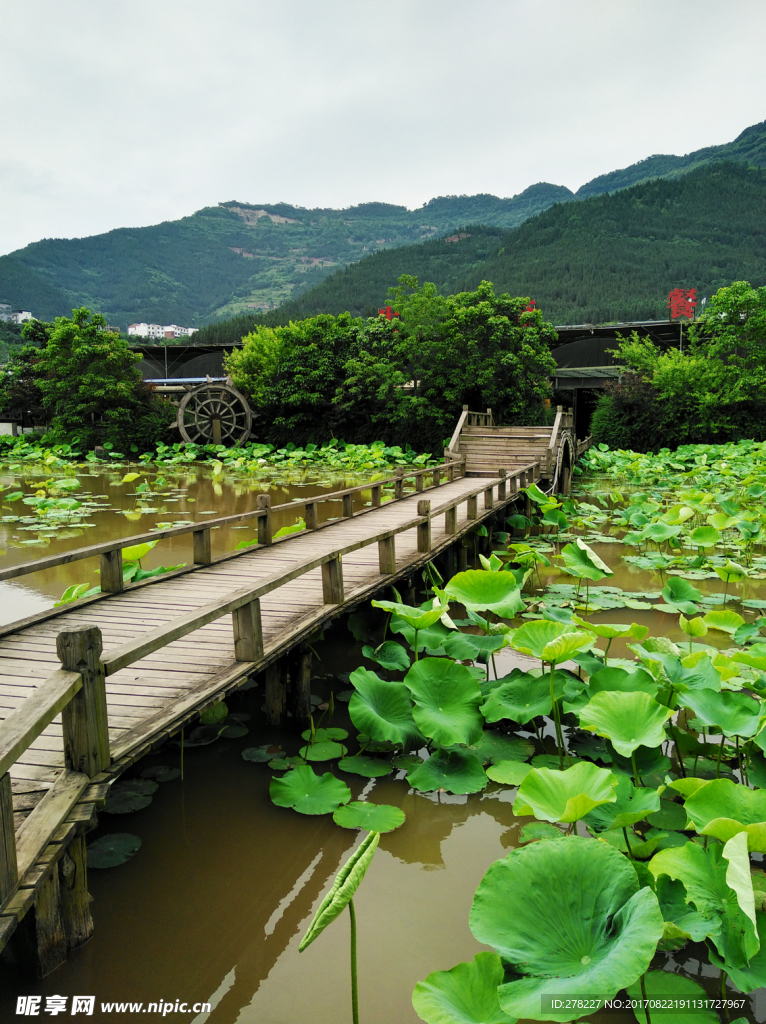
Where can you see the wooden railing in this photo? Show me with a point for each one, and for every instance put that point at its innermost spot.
(467, 418)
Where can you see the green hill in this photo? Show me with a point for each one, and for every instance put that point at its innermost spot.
(614, 257)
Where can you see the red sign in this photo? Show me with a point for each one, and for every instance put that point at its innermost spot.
(387, 312)
(682, 302)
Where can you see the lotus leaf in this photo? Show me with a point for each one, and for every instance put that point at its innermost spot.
(725, 621)
(564, 646)
(582, 562)
(389, 655)
(753, 976)
(750, 632)
(670, 815)
(383, 710)
(662, 985)
(372, 817)
(469, 646)
(406, 761)
(731, 572)
(161, 773)
(509, 773)
(481, 591)
(565, 796)
(110, 851)
(465, 995)
(457, 771)
(370, 767)
(138, 551)
(755, 657)
(343, 888)
(567, 917)
(320, 735)
(708, 878)
(704, 536)
(735, 714)
(323, 750)
(430, 639)
(612, 630)
(446, 701)
(679, 591)
(214, 714)
(722, 809)
(417, 618)
(261, 754)
(689, 923)
(536, 830)
(627, 720)
(641, 847)
(496, 746)
(520, 700)
(693, 627)
(281, 764)
(618, 679)
(309, 793)
(130, 795)
(632, 804)
(533, 637)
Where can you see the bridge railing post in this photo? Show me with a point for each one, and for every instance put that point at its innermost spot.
(9, 874)
(399, 483)
(248, 631)
(420, 482)
(84, 719)
(489, 501)
(310, 515)
(264, 522)
(472, 507)
(501, 487)
(424, 529)
(375, 496)
(348, 506)
(111, 571)
(450, 520)
(387, 555)
(202, 552)
(332, 581)
(437, 477)
(450, 471)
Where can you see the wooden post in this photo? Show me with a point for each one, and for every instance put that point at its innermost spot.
(276, 691)
(424, 529)
(8, 871)
(49, 936)
(473, 510)
(299, 690)
(332, 581)
(419, 482)
(348, 506)
(462, 558)
(489, 501)
(461, 466)
(450, 520)
(502, 493)
(450, 471)
(75, 898)
(248, 634)
(111, 572)
(310, 515)
(375, 496)
(450, 562)
(399, 484)
(387, 555)
(202, 552)
(264, 522)
(84, 719)
(437, 477)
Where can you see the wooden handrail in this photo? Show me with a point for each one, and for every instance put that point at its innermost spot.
(455, 440)
(25, 724)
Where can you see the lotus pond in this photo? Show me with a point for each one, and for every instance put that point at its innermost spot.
(544, 779)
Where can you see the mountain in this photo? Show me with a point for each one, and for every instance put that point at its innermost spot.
(241, 260)
(614, 257)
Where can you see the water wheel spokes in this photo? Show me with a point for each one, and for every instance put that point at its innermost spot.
(214, 414)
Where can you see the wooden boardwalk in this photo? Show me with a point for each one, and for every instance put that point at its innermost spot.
(87, 689)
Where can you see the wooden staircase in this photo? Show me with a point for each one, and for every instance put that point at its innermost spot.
(487, 447)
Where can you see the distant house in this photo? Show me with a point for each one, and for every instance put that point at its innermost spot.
(155, 331)
(21, 316)
(5, 312)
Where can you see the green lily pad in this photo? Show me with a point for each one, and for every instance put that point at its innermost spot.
(130, 795)
(389, 655)
(722, 809)
(465, 995)
(309, 793)
(520, 700)
(482, 591)
(753, 976)
(320, 735)
(662, 985)
(112, 850)
(262, 754)
(281, 764)
(509, 773)
(373, 817)
(369, 767)
(325, 750)
(383, 710)
(161, 773)
(537, 830)
(407, 761)
(565, 796)
(447, 699)
(627, 720)
(456, 771)
(735, 714)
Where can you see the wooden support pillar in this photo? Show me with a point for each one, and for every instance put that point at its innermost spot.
(75, 898)
(387, 555)
(375, 500)
(84, 719)
(111, 572)
(42, 934)
(399, 483)
(310, 515)
(8, 870)
(348, 506)
(462, 558)
(473, 510)
(419, 482)
(248, 633)
(264, 522)
(332, 581)
(450, 521)
(299, 690)
(410, 592)
(502, 492)
(202, 550)
(489, 501)
(424, 529)
(450, 562)
(437, 477)
(276, 691)
(450, 471)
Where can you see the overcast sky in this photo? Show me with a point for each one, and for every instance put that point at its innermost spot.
(130, 112)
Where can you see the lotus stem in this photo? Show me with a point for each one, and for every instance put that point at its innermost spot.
(354, 985)
(630, 852)
(723, 994)
(636, 777)
(645, 998)
(416, 643)
(718, 762)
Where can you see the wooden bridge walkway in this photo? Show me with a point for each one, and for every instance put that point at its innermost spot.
(87, 689)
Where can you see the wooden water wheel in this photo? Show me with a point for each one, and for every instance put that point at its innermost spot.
(214, 414)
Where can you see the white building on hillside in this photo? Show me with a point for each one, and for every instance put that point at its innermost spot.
(21, 316)
(157, 331)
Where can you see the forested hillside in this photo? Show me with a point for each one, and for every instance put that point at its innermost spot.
(613, 257)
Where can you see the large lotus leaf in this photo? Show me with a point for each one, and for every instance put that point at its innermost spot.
(111, 850)
(322, 750)
(369, 767)
(343, 888)
(679, 591)
(659, 532)
(618, 679)
(469, 646)
(755, 657)
(612, 630)
(732, 572)
(533, 637)
(565, 796)
(389, 655)
(330, 733)
(430, 639)
(447, 699)
(662, 986)
(751, 977)
(508, 773)
(372, 817)
(707, 876)
(693, 627)
(481, 591)
(309, 793)
(627, 720)
(496, 746)
(520, 700)
(722, 809)
(563, 647)
(724, 620)
(465, 995)
(418, 618)
(704, 536)
(457, 771)
(735, 714)
(569, 918)
(382, 710)
(583, 562)
(688, 923)
(632, 804)
(130, 795)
